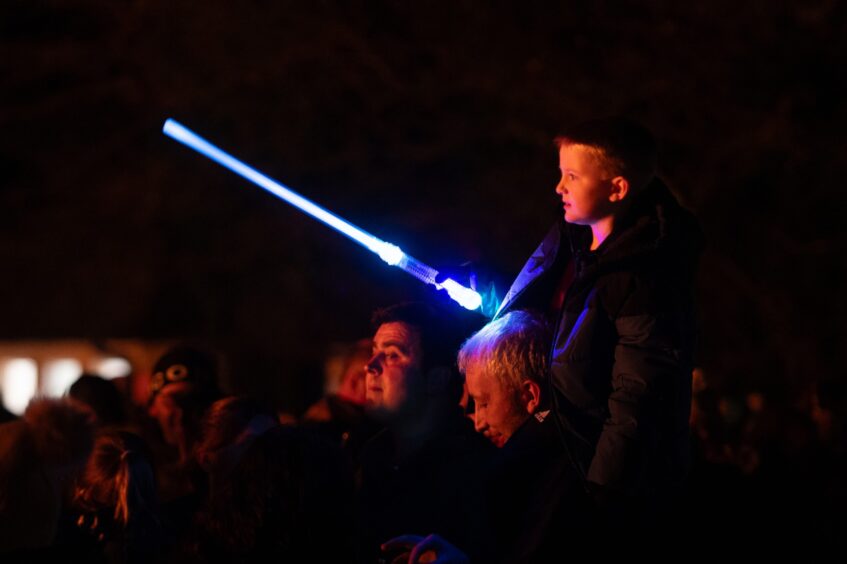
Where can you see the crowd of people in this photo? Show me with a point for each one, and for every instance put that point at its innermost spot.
(561, 427)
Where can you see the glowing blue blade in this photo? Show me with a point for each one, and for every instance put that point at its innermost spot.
(391, 254)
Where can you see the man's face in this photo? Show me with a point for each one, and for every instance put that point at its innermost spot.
(394, 374)
(167, 413)
(498, 411)
(585, 188)
(353, 386)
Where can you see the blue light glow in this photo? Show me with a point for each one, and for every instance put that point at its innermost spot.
(467, 298)
(183, 135)
(391, 254)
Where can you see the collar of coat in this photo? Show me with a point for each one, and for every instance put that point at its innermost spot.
(656, 230)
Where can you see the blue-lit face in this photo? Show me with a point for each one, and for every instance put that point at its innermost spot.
(394, 381)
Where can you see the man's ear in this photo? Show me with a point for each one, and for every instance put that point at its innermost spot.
(438, 379)
(530, 395)
(619, 189)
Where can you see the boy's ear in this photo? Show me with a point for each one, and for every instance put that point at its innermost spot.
(619, 189)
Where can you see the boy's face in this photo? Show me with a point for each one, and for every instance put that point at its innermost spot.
(585, 188)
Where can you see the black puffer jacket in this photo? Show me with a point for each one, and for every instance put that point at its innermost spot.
(621, 357)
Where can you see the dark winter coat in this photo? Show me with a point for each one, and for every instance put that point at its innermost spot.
(535, 506)
(621, 356)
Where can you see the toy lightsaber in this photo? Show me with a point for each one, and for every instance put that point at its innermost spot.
(391, 254)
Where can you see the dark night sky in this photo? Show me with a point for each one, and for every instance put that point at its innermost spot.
(430, 125)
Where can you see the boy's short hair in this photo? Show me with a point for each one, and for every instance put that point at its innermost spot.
(622, 147)
(512, 348)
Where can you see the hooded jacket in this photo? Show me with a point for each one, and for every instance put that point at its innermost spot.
(621, 359)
